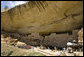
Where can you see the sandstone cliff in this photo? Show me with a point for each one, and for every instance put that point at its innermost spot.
(43, 17)
(80, 35)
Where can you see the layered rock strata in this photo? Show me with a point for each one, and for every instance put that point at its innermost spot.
(43, 17)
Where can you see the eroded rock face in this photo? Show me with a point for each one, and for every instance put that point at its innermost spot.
(43, 17)
(80, 35)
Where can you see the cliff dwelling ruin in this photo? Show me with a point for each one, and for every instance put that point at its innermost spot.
(47, 23)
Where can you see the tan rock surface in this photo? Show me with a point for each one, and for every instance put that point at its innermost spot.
(20, 43)
(43, 17)
(80, 35)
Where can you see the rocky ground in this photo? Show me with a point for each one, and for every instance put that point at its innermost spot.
(8, 49)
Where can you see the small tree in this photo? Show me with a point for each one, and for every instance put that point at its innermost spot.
(6, 7)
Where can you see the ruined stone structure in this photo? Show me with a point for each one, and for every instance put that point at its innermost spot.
(52, 40)
(60, 40)
(43, 17)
